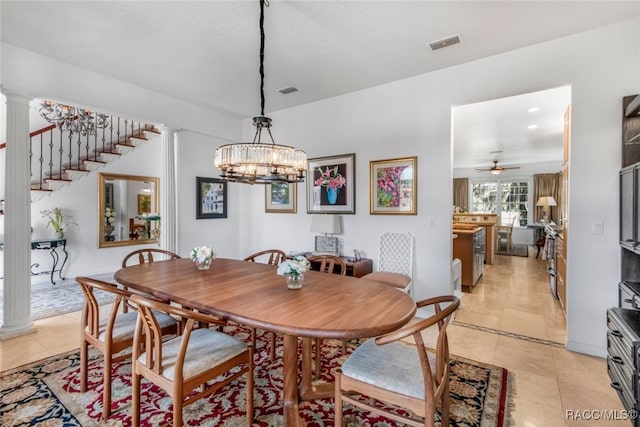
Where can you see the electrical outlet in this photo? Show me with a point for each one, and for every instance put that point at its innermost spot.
(597, 228)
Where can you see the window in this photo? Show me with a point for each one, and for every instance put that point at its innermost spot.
(509, 199)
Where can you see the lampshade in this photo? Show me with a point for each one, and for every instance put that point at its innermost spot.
(328, 224)
(546, 201)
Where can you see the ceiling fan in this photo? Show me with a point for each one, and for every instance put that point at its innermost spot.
(495, 169)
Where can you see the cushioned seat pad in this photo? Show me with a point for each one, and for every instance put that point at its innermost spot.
(206, 349)
(396, 280)
(394, 366)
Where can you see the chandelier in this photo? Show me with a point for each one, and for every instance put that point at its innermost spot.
(256, 162)
(73, 119)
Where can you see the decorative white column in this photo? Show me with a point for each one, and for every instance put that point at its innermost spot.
(16, 318)
(168, 201)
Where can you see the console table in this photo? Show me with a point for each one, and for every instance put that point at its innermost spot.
(354, 268)
(51, 246)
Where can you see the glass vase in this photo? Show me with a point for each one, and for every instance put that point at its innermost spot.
(295, 282)
(204, 264)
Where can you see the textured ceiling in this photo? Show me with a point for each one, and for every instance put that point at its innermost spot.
(206, 52)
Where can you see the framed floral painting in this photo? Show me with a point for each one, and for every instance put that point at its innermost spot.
(331, 184)
(280, 197)
(393, 186)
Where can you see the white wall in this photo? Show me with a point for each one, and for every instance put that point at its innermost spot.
(412, 117)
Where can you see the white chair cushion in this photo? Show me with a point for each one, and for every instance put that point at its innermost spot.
(206, 349)
(125, 325)
(394, 367)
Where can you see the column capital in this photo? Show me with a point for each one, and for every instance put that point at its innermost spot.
(166, 129)
(16, 96)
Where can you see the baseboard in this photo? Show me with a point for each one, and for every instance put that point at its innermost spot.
(589, 349)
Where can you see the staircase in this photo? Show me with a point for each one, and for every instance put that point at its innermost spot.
(59, 156)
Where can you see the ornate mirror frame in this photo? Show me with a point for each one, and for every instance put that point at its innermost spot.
(128, 208)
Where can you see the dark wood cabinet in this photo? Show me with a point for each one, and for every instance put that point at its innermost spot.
(630, 130)
(623, 348)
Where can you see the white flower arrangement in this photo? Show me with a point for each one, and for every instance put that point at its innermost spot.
(294, 267)
(202, 253)
(109, 216)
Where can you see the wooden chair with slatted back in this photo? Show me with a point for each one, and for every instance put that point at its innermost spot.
(272, 257)
(187, 362)
(334, 265)
(268, 256)
(110, 336)
(142, 256)
(386, 369)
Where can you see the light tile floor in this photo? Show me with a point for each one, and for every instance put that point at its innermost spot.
(513, 295)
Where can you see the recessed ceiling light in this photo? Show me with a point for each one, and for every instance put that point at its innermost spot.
(532, 127)
(533, 109)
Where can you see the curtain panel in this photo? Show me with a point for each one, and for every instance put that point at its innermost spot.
(461, 193)
(547, 184)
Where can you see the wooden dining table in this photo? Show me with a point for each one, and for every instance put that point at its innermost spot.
(252, 294)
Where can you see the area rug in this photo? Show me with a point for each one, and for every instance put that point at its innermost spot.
(516, 250)
(49, 300)
(46, 393)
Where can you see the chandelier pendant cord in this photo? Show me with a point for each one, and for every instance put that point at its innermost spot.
(262, 4)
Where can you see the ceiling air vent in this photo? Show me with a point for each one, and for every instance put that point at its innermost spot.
(449, 41)
(287, 90)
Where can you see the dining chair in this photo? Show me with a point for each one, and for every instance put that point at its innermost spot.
(395, 262)
(331, 264)
(272, 257)
(390, 370)
(188, 362)
(142, 256)
(109, 336)
(504, 232)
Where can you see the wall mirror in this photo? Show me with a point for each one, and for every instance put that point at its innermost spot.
(127, 210)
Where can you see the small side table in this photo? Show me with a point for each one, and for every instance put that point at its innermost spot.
(51, 246)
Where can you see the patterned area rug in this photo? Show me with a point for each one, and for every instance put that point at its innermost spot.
(49, 300)
(46, 393)
(516, 250)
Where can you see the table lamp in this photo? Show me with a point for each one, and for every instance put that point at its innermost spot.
(546, 202)
(327, 224)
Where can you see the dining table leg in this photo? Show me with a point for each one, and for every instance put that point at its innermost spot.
(309, 390)
(290, 378)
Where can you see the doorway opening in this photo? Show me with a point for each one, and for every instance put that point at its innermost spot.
(503, 149)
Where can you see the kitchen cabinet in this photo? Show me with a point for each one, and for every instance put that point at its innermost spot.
(561, 270)
(469, 248)
(630, 207)
(630, 130)
(486, 220)
(623, 355)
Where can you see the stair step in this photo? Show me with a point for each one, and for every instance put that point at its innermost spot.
(74, 174)
(93, 165)
(123, 148)
(55, 183)
(109, 156)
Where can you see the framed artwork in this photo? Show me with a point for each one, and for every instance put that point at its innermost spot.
(280, 197)
(144, 203)
(211, 198)
(331, 184)
(393, 186)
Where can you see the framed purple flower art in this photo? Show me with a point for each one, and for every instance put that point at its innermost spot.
(393, 186)
(331, 186)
